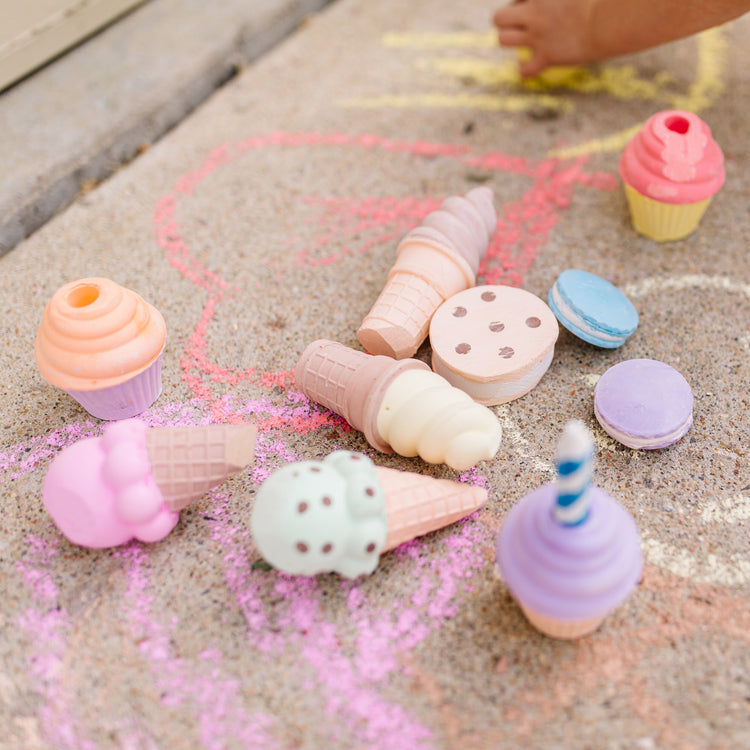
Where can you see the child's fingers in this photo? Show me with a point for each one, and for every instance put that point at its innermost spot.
(533, 66)
(511, 16)
(513, 37)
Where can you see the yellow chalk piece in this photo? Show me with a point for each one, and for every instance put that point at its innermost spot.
(558, 76)
(621, 82)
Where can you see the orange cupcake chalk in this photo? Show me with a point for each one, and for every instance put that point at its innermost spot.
(102, 343)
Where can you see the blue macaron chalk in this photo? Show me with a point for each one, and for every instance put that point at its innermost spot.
(592, 309)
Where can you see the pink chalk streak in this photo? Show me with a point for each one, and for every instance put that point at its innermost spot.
(214, 697)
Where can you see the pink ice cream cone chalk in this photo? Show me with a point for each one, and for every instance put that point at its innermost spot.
(102, 344)
(434, 261)
(401, 406)
(132, 482)
(568, 552)
(340, 514)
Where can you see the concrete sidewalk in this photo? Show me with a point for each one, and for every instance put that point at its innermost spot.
(74, 122)
(269, 218)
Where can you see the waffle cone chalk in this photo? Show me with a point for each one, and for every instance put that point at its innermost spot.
(401, 406)
(102, 344)
(132, 482)
(568, 552)
(434, 261)
(340, 514)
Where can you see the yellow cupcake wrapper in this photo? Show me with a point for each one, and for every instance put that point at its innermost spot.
(664, 222)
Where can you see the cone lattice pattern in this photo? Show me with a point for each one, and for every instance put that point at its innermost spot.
(187, 462)
(441, 256)
(417, 504)
(350, 383)
(326, 373)
(398, 321)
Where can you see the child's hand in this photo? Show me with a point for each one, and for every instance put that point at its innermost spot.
(556, 31)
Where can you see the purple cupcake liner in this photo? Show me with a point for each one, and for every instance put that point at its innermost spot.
(126, 399)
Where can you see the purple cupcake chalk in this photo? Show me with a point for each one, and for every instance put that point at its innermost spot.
(644, 403)
(568, 552)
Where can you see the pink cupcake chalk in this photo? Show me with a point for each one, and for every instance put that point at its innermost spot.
(671, 169)
(102, 344)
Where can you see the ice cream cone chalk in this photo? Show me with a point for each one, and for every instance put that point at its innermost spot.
(133, 481)
(401, 406)
(434, 261)
(340, 514)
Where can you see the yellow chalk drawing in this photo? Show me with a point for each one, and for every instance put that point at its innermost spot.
(440, 40)
(607, 144)
(702, 92)
(504, 90)
(708, 85)
(622, 82)
(488, 102)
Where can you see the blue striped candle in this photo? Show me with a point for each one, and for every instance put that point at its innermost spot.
(575, 455)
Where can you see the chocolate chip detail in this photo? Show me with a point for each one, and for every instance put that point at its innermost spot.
(497, 326)
(370, 548)
(302, 547)
(327, 548)
(506, 352)
(463, 348)
(533, 322)
(327, 500)
(488, 296)
(302, 507)
(459, 312)
(370, 492)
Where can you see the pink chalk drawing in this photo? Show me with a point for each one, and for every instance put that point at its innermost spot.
(523, 228)
(347, 666)
(22, 458)
(352, 667)
(47, 625)
(351, 673)
(213, 698)
(388, 219)
(351, 682)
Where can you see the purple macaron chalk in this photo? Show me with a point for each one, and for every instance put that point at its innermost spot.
(644, 403)
(568, 552)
